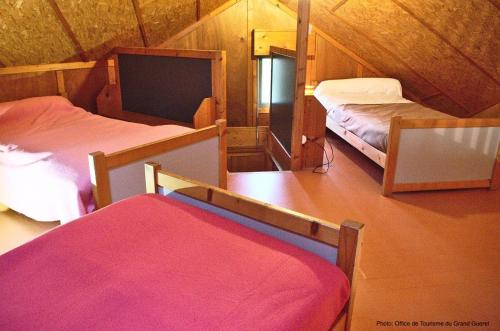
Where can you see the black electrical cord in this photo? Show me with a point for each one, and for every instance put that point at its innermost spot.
(329, 162)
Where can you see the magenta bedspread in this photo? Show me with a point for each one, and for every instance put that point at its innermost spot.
(58, 187)
(153, 263)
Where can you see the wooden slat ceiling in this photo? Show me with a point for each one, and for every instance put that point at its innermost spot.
(446, 52)
(442, 50)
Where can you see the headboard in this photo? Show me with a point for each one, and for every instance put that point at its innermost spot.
(164, 83)
(80, 82)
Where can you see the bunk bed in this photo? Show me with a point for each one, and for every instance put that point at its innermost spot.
(419, 148)
(188, 258)
(61, 135)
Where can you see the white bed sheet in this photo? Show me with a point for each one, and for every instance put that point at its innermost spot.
(58, 187)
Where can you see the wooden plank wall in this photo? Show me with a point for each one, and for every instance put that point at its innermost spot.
(230, 29)
(81, 85)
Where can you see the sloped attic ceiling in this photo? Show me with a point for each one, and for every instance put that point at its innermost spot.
(47, 31)
(446, 52)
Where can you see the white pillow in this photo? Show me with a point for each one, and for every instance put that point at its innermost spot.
(389, 86)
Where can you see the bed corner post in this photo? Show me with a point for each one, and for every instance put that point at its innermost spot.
(100, 179)
(392, 155)
(221, 125)
(151, 172)
(349, 249)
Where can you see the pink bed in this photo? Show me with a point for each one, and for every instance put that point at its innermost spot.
(153, 263)
(58, 187)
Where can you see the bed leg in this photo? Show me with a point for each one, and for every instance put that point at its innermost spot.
(151, 172)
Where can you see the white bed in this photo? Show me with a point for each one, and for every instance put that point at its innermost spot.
(57, 186)
(419, 148)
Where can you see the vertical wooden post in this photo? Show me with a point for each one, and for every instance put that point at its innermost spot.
(99, 178)
(219, 83)
(221, 125)
(151, 175)
(111, 72)
(392, 155)
(348, 256)
(61, 87)
(300, 83)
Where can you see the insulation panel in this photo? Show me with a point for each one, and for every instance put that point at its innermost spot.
(389, 25)
(164, 18)
(206, 6)
(31, 34)
(471, 26)
(101, 25)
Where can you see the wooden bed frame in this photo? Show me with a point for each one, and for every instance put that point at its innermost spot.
(435, 154)
(346, 238)
(109, 100)
(207, 143)
(200, 154)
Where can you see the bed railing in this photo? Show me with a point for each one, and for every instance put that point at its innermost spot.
(347, 237)
(439, 154)
(200, 154)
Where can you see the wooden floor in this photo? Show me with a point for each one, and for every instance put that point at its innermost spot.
(430, 256)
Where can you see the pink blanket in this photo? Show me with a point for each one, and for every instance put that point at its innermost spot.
(58, 188)
(153, 263)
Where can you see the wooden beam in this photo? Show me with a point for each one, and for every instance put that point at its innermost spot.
(140, 22)
(251, 118)
(444, 39)
(495, 3)
(337, 6)
(198, 10)
(300, 83)
(69, 32)
(52, 67)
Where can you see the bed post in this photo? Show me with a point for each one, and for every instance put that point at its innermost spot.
(99, 178)
(151, 172)
(221, 125)
(348, 256)
(392, 155)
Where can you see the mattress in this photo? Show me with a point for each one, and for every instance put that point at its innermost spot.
(368, 115)
(153, 263)
(58, 187)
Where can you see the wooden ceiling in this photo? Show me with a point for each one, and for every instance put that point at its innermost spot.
(445, 52)
(46, 31)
